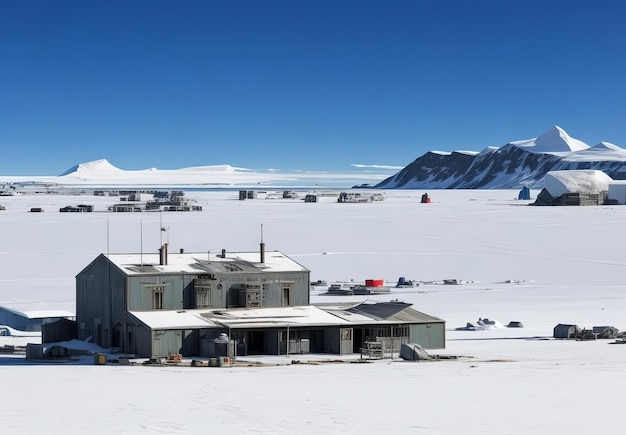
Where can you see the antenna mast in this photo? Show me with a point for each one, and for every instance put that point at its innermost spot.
(262, 246)
(108, 251)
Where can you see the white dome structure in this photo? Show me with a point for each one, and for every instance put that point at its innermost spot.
(587, 181)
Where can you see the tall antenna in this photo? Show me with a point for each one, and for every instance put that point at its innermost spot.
(108, 251)
(262, 246)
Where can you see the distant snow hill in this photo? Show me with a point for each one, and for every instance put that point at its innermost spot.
(516, 164)
(98, 166)
(101, 173)
(103, 167)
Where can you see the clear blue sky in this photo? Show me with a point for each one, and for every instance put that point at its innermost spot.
(299, 84)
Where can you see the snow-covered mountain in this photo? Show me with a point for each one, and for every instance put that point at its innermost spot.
(97, 166)
(516, 164)
(102, 174)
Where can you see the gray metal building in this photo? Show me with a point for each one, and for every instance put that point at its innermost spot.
(113, 285)
(336, 329)
(155, 305)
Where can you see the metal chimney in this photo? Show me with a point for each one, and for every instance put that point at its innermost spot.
(223, 253)
(163, 255)
(262, 252)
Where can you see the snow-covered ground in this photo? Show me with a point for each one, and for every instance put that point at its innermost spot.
(537, 265)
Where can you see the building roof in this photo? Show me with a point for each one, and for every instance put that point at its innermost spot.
(237, 318)
(205, 263)
(282, 317)
(381, 310)
(558, 183)
(36, 310)
(385, 312)
(171, 319)
(308, 315)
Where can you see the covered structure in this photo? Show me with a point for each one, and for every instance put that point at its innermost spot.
(336, 329)
(574, 187)
(605, 331)
(563, 330)
(113, 286)
(617, 192)
(245, 303)
(524, 193)
(30, 316)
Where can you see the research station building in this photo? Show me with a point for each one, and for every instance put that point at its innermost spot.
(155, 305)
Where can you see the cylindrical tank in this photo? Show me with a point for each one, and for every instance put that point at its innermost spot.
(374, 282)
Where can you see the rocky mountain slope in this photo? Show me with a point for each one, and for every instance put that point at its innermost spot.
(516, 164)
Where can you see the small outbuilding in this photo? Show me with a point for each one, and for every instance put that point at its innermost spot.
(413, 352)
(605, 331)
(617, 192)
(514, 324)
(30, 316)
(574, 187)
(563, 330)
(524, 193)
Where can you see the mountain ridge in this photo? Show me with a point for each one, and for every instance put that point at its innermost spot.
(514, 165)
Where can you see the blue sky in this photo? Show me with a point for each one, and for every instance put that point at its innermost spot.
(300, 85)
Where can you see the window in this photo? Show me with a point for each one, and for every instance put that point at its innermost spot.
(346, 333)
(157, 298)
(202, 298)
(287, 294)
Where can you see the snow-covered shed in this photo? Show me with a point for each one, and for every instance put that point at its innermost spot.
(574, 187)
(587, 181)
(605, 331)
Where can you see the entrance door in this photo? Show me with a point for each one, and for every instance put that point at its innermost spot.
(345, 341)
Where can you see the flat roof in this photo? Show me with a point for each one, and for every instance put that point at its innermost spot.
(274, 317)
(309, 315)
(205, 263)
(237, 318)
(36, 309)
(169, 319)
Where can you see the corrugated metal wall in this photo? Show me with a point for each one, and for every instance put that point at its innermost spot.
(272, 284)
(95, 303)
(141, 292)
(101, 298)
(14, 320)
(166, 342)
(60, 330)
(429, 336)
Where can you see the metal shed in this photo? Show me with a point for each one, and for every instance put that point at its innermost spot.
(29, 316)
(566, 331)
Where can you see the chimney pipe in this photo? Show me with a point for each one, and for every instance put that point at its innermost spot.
(262, 252)
(163, 255)
(223, 253)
